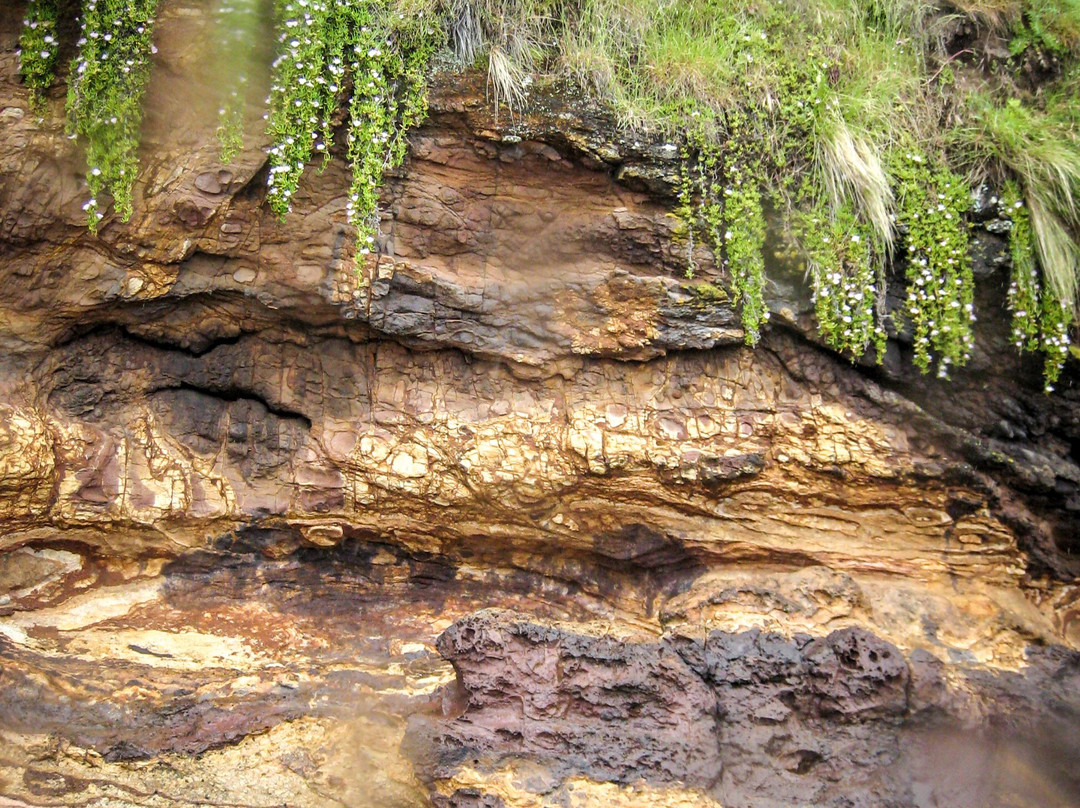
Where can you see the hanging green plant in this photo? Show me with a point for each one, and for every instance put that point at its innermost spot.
(1025, 289)
(230, 130)
(304, 93)
(932, 203)
(384, 54)
(108, 80)
(372, 114)
(389, 99)
(39, 49)
(1040, 322)
(841, 260)
(720, 204)
(1055, 322)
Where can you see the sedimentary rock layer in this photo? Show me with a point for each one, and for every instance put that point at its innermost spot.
(509, 516)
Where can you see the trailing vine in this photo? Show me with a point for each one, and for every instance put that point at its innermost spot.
(1040, 322)
(385, 56)
(307, 80)
(770, 107)
(39, 49)
(842, 262)
(744, 241)
(720, 203)
(932, 206)
(767, 151)
(389, 98)
(1025, 290)
(108, 79)
(1055, 321)
(807, 137)
(230, 131)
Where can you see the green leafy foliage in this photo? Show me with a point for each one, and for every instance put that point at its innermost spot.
(828, 91)
(1040, 149)
(1051, 25)
(808, 110)
(1025, 288)
(1055, 321)
(384, 53)
(308, 76)
(933, 203)
(744, 238)
(230, 131)
(389, 98)
(39, 48)
(720, 203)
(842, 265)
(773, 107)
(108, 79)
(1040, 322)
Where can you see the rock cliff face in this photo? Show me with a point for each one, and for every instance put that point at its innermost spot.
(512, 518)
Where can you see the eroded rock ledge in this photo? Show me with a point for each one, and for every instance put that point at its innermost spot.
(256, 511)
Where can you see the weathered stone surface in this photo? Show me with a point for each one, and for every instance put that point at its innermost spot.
(244, 489)
(762, 720)
(578, 703)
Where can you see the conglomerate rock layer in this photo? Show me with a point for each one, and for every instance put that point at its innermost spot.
(508, 517)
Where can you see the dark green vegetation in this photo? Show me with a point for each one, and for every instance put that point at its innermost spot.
(39, 48)
(864, 123)
(105, 91)
(382, 49)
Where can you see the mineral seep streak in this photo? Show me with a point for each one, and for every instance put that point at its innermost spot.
(517, 522)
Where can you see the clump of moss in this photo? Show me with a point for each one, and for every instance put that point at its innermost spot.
(709, 293)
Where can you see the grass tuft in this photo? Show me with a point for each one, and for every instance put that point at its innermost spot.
(852, 171)
(1041, 148)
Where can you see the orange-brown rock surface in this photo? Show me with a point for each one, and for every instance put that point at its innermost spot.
(512, 517)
